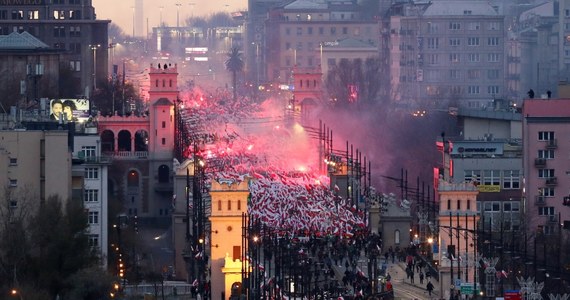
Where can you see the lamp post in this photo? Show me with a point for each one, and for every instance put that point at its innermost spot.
(94, 49)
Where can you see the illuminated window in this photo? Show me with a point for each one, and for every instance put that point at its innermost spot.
(133, 179)
(397, 237)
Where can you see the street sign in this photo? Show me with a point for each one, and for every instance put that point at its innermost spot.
(467, 288)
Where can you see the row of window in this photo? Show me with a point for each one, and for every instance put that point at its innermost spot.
(229, 205)
(508, 179)
(35, 15)
(356, 31)
(456, 57)
(436, 75)
(457, 89)
(433, 43)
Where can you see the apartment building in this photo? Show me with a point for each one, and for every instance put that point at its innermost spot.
(545, 126)
(49, 159)
(298, 31)
(68, 25)
(447, 52)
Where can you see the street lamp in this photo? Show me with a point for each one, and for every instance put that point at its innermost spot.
(94, 49)
(15, 292)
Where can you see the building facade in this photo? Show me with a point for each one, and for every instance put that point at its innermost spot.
(296, 33)
(545, 124)
(70, 26)
(448, 53)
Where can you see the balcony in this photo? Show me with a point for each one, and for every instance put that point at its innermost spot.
(540, 162)
(552, 219)
(540, 200)
(552, 181)
(566, 201)
(551, 144)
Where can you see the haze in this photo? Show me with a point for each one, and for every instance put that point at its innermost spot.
(121, 12)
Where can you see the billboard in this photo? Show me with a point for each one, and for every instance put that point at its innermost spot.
(69, 110)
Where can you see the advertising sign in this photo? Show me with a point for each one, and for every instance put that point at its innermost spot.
(69, 110)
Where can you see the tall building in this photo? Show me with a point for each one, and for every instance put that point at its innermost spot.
(71, 26)
(545, 126)
(46, 160)
(296, 33)
(447, 52)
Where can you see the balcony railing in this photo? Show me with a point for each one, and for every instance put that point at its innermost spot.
(551, 144)
(540, 162)
(540, 200)
(552, 181)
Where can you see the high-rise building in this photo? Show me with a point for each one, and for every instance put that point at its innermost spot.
(545, 126)
(71, 26)
(447, 52)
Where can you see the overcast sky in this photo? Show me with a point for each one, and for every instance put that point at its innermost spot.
(120, 12)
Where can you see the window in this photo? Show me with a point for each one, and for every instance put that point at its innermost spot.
(473, 89)
(238, 205)
(493, 41)
(321, 30)
(432, 27)
(492, 206)
(455, 89)
(474, 26)
(163, 174)
(75, 48)
(433, 59)
(493, 57)
(345, 30)
(229, 204)
(13, 161)
(397, 237)
(546, 192)
(75, 14)
(491, 177)
(473, 57)
(454, 74)
(548, 154)
(163, 124)
(455, 42)
(454, 57)
(91, 195)
(310, 30)
(299, 31)
(473, 74)
(333, 30)
(3, 15)
(493, 74)
(472, 176)
(545, 173)
(93, 217)
(89, 151)
(219, 205)
(59, 14)
(493, 25)
(59, 31)
(493, 89)
(91, 173)
(546, 135)
(433, 43)
(93, 240)
(164, 141)
(13, 182)
(546, 211)
(511, 179)
(74, 31)
(75, 65)
(454, 26)
(473, 41)
(17, 15)
(33, 15)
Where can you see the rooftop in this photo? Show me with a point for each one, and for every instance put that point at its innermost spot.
(460, 8)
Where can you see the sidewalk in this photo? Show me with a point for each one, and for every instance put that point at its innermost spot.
(397, 271)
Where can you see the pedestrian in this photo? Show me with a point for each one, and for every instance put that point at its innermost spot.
(429, 287)
(421, 277)
(412, 274)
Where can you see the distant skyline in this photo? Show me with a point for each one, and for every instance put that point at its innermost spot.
(120, 12)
